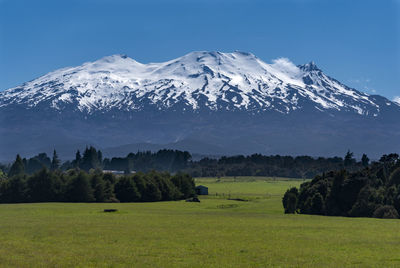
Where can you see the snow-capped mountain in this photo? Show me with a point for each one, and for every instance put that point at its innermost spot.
(198, 80)
(202, 96)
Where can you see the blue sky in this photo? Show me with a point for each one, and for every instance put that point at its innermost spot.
(356, 42)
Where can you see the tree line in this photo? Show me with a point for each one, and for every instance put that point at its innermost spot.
(175, 160)
(371, 192)
(273, 166)
(92, 159)
(79, 186)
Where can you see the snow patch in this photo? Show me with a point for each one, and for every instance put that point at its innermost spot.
(396, 100)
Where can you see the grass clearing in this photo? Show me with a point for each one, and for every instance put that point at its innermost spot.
(214, 233)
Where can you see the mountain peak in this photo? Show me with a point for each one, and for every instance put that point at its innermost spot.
(112, 58)
(309, 67)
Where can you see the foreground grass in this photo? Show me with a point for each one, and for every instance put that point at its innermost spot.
(214, 233)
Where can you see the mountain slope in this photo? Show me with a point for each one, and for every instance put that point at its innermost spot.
(202, 96)
(198, 80)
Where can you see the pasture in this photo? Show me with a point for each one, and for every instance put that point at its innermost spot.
(214, 233)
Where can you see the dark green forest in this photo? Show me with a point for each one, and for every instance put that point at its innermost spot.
(77, 185)
(371, 192)
(174, 161)
(273, 166)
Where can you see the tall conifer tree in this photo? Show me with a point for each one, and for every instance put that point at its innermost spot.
(17, 167)
(55, 163)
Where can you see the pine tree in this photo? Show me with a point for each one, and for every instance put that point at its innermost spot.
(17, 167)
(152, 193)
(98, 186)
(348, 159)
(43, 186)
(13, 190)
(185, 184)
(78, 159)
(126, 190)
(55, 163)
(317, 204)
(44, 159)
(100, 157)
(90, 159)
(33, 165)
(108, 191)
(79, 189)
(365, 160)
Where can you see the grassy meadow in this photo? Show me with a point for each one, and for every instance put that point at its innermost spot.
(214, 233)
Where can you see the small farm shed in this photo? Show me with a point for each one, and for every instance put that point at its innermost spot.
(201, 190)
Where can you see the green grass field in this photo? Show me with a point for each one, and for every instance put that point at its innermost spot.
(214, 233)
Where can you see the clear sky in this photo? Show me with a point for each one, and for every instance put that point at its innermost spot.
(356, 42)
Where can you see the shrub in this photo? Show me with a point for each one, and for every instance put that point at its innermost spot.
(289, 200)
(386, 212)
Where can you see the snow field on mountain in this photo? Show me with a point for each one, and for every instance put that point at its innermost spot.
(198, 80)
